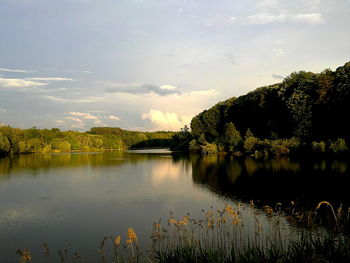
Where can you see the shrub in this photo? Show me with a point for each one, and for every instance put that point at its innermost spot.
(250, 144)
(65, 147)
(47, 149)
(5, 145)
(85, 148)
(319, 147)
(285, 146)
(338, 146)
(209, 148)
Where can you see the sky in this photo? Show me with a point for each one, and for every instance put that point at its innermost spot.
(154, 64)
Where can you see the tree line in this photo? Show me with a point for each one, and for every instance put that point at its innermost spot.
(33, 140)
(305, 112)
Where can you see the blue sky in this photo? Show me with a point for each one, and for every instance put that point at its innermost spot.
(154, 64)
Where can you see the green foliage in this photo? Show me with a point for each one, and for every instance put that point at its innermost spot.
(47, 149)
(209, 149)
(339, 146)
(22, 147)
(305, 105)
(64, 147)
(5, 146)
(318, 147)
(194, 147)
(53, 140)
(34, 145)
(202, 146)
(85, 148)
(250, 142)
(182, 140)
(232, 136)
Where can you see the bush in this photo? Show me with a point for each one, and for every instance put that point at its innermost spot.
(283, 147)
(318, 147)
(64, 147)
(47, 149)
(339, 146)
(250, 144)
(5, 145)
(85, 149)
(209, 149)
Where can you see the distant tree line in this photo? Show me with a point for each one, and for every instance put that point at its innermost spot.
(33, 140)
(306, 112)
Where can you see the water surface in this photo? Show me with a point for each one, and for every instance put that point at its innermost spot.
(77, 199)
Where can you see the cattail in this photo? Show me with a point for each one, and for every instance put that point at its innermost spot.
(117, 241)
(25, 255)
(132, 235)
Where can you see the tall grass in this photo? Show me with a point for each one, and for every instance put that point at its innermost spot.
(237, 233)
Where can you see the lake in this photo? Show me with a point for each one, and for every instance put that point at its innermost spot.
(76, 199)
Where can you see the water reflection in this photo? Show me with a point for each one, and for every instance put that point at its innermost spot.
(274, 180)
(83, 197)
(279, 179)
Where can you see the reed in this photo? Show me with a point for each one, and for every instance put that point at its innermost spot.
(239, 233)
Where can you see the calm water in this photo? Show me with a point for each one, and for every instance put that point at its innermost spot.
(77, 199)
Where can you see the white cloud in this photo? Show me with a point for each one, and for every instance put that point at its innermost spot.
(267, 18)
(24, 83)
(19, 83)
(168, 87)
(166, 120)
(112, 117)
(312, 18)
(50, 79)
(64, 100)
(78, 123)
(3, 110)
(14, 70)
(85, 115)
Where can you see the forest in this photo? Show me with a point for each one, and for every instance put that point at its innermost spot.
(33, 140)
(305, 112)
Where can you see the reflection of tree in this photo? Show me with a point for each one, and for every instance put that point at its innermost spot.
(215, 171)
(272, 181)
(10, 165)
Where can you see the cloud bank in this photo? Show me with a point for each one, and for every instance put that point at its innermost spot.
(166, 120)
(264, 18)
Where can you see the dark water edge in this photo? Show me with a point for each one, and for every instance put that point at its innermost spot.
(306, 181)
(83, 197)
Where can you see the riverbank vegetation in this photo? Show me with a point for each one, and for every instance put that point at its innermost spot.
(304, 113)
(237, 233)
(14, 140)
